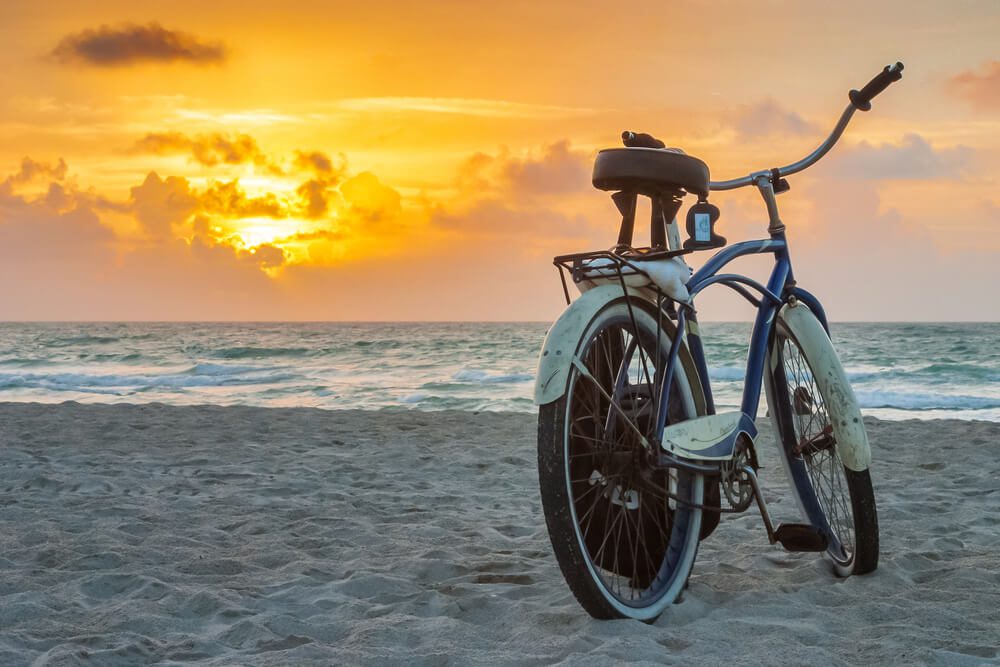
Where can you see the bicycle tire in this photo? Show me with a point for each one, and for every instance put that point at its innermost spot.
(595, 488)
(838, 500)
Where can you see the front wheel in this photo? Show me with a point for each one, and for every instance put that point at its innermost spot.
(813, 408)
(624, 543)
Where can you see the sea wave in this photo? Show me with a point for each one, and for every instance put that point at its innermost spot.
(205, 368)
(969, 371)
(120, 358)
(199, 375)
(477, 375)
(424, 401)
(938, 373)
(23, 362)
(76, 341)
(924, 401)
(726, 373)
(250, 352)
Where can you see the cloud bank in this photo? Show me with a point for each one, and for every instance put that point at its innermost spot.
(333, 243)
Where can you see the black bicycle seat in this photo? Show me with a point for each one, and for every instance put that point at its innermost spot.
(650, 171)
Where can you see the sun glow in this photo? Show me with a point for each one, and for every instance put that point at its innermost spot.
(258, 185)
(253, 232)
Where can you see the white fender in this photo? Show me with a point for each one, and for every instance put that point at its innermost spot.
(564, 335)
(848, 428)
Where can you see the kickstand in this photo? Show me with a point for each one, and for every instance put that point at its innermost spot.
(761, 505)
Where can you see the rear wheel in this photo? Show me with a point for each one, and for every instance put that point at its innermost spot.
(625, 548)
(837, 500)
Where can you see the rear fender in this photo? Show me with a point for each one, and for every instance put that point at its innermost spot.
(564, 336)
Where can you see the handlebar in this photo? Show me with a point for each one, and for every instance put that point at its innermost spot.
(860, 101)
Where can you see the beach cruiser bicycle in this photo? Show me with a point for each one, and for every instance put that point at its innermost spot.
(635, 464)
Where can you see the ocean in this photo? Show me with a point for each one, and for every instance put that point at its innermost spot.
(898, 370)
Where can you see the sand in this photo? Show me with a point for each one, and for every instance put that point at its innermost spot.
(228, 535)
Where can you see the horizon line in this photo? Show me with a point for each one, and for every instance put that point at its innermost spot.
(703, 321)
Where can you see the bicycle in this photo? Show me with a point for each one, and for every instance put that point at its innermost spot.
(635, 465)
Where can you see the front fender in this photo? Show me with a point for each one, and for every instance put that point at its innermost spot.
(564, 336)
(848, 427)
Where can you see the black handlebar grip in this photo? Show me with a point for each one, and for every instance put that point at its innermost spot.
(641, 140)
(862, 99)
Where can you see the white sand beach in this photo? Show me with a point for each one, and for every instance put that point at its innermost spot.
(137, 534)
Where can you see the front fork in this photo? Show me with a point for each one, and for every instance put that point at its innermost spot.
(810, 300)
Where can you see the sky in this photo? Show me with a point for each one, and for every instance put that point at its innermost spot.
(425, 161)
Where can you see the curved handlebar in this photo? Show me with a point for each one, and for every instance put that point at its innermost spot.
(860, 101)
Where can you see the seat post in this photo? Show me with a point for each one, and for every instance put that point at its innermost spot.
(665, 207)
(626, 203)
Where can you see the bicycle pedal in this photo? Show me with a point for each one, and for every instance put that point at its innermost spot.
(800, 537)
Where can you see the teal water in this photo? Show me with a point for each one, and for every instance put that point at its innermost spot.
(899, 371)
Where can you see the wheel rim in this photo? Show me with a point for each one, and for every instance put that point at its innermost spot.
(624, 520)
(815, 447)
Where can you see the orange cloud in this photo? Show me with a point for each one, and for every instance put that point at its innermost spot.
(31, 170)
(980, 88)
(229, 200)
(557, 170)
(534, 203)
(368, 197)
(769, 119)
(58, 225)
(313, 195)
(320, 163)
(206, 149)
(161, 204)
(317, 195)
(132, 44)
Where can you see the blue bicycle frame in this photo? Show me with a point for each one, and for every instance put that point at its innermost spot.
(767, 307)
(780, 287)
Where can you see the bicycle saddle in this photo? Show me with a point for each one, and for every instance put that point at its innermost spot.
(646, 166)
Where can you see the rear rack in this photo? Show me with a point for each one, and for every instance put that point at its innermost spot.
(622, 263)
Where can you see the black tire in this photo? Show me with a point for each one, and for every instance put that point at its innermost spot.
(624, 549)
(838, 500)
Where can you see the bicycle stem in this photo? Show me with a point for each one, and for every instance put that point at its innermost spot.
(766, 189)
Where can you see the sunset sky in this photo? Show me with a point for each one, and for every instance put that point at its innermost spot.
(424, 161)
